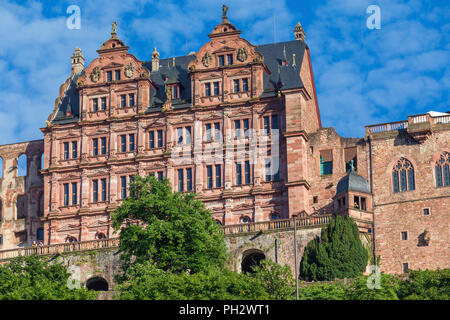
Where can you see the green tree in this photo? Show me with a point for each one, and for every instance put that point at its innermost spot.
(173, 230)
(147, 282)
(425, 285)
(323, 291)
(339, 253)
(34, 278)
(276, 279)
(359, 290)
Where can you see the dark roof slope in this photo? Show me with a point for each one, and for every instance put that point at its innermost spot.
(353, 182)
(280, 77)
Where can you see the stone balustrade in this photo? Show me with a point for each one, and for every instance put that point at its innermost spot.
(236, 229)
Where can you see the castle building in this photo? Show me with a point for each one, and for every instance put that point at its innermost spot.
(238, 124)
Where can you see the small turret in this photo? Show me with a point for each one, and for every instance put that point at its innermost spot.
(77, 61)
(299, 33)
(155, 60)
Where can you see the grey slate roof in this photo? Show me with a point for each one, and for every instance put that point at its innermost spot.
(280, 77)
(353, 182)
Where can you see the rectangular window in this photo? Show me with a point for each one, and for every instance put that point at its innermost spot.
(104, 103)
(426, 212)
(189, 179)
(109, 76)
(266, 125)
(230, 59)
(208, 131)
(245, 123)
(363, 204)
(95, 146)
(66, 194)
(160, 138)
(238, 174)
(274, 121)
(160, 175)
(117, 74)
(151, 139)
(218, 176)
(180, 180)
(237, 128)
(404, 235)
(1, 239)
(221, 61)
(326, 162)
(405, 268)
(216, 88)
(245, 84)
(95, 104)
(268, 173)
(123, 187)
(236, 85)
(74, 193)
(188, 135)
(209, 180)
(103, 141)
(131, 99)
(123, 100)
(217, 131)
(74, 149)
(207, 89)
(131, 142)
(123, 143)
(94, 190)
(247, 172)
(103, 189)
(66, 150)
(179, 135)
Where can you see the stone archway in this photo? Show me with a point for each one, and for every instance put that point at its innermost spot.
(251, 258)
(97, 284)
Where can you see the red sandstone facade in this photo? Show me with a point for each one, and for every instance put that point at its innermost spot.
(120, 116)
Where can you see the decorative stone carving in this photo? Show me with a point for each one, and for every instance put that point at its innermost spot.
(129, 70)
(207, 59)
(95, 75)
(242, 54)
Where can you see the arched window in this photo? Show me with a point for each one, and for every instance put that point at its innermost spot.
(100, 235)
(403, 176)
(442, 170)
(22, 165)
(275, 216)
(246, 219)
(71, 239)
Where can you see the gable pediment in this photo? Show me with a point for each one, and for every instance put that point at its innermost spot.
(112, 65)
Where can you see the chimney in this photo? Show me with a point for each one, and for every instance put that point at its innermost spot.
(299, 33)
(155, 60)
(77, 61)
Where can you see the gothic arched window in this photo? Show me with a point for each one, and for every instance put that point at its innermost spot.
(403, 176)
(442, 170)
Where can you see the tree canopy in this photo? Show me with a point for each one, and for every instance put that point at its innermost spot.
(34, 278)
(339, 253)
(173, 230)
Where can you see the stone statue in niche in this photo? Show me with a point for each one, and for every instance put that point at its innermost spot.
(206, 60)
(129, 70)
(95, 75)
(242, 54)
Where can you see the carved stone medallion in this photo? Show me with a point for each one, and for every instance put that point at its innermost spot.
(129, 70)
(95, 75)
(242, 54)
(207, 59)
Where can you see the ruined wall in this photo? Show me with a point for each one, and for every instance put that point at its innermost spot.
(21, 196)
(404, 211)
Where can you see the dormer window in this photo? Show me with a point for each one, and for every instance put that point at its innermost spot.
(175, 92)
(230, 59)
(117, 73)
(221, 61)
(109, 76)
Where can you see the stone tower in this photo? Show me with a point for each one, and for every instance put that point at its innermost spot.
(77, 61)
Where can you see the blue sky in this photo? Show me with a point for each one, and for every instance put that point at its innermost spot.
(362, 76)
